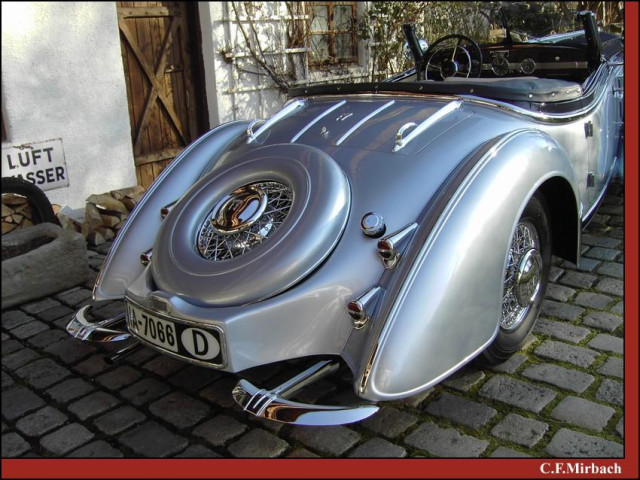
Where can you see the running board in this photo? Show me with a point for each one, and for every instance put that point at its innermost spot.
(80, 327)
(273, 404)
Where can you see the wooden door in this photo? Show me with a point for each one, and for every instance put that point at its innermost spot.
(165, 88)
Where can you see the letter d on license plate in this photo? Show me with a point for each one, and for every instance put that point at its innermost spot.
(191, 343)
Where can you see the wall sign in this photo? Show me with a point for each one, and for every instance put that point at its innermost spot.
(41, 163)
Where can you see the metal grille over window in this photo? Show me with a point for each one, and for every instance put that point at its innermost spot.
(333, 32)
(243, 220)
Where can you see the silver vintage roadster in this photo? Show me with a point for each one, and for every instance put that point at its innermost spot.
(401, 228)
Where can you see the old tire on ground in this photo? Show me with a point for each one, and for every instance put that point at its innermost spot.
(41, 209)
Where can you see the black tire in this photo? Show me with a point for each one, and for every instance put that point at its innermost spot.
(518, 320)
(40, 205)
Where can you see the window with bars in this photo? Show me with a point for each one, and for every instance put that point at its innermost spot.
(332, 32)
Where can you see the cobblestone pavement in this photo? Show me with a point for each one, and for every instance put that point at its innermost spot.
(562, 396)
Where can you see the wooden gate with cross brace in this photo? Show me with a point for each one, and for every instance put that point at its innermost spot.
(165, 82)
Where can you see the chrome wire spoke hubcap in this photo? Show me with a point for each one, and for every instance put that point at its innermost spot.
(523, 276)
(243, 219)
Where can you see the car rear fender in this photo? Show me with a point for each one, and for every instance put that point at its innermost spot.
(442, 302)
(122, 265)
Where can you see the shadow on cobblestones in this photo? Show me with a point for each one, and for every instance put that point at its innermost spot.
(561, 397)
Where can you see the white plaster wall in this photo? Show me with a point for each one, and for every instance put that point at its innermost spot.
(62, 77)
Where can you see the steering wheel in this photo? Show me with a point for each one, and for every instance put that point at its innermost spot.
(450, 56)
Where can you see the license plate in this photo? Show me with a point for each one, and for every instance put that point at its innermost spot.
(193, 343)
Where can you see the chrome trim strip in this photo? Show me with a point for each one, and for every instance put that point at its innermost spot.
(316, 120)
(431, 120)
(273, 405)
(364, 120)
(80, 327)
(275, 119)
(541, 66)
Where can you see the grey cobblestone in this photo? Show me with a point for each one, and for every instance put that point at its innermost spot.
(611, 285)
(390, 422)
(7, 381)
(465, 379)
(119, 420)
(10, 346)
(593, 300)
(66, 439)
(378, 448)
(567, 443)
(580, 356)
(258, 444)
(13, 445)
(561, 330)
(70, 390)
(194, 379)
(153, 440)
(611, 391)
(29, 329)
(220, 430)
(613, 367)
(14, 318)
(92, 405)
(54, 313)
(445, 442)
(555, 273)
(43, 373)
(601, 253)
(608, 343)
(18, 359)
(620, 427)
(92, 366)
(39, 305)
(602, 320)
(38, 423)
(583, 413)
(559, 292)
(598, 241)
(97, 449)
(19, 400)
(74, 297)
(121, 377)
(561, 310)
(578, 279)
(302, 453)
(511, 365)
(179, 410)
(70, 350)
(612, 269)
(333, 441)
(198, 451)
(218, 392)
(504, 452)
(560, 377)
(517, 429)
(618, 308)
(47, 338)
(145, 391)
(164, 365)
(517, 393)
(461, 411)
(585, 264)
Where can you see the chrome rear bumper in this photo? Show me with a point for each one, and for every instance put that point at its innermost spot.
(102, 331)
(273, 405)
